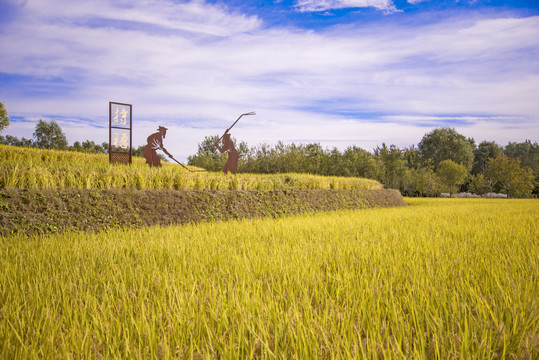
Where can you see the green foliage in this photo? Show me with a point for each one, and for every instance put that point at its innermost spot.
(281, 158)
(15, 141)
(527, 152)
(91, 147)
(31, 211)
(423, 181)
(439, 279)
(411, 170)
(49, 135)
(412, 156)
(510, 175)
(451, 174)
(208, 156)
(392, 165)
(479, 184)
(447, 144)
(4, 117)
(485, 150)
(358, 162)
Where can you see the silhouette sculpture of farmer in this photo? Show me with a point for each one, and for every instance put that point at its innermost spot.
(228, 145)
(155, 142)
(233, 156)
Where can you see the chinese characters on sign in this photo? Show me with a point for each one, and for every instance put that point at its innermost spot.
(120, 128)
(120, 116)
(120, 139)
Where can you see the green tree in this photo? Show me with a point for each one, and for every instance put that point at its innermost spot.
(314, 154)
(359, 162)
(447, 144)
(49, 135)
(479, 185)
(412, 156)
(4, 117)
(392, 165)
(451, 174)
(423, 182)
(510, 175)
(89, 146)
(15, 141)
(484, 151)
(527, 152)
(138, 151)
(209, 157)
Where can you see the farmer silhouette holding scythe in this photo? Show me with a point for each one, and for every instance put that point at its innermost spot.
(155, 142)
(228, 146)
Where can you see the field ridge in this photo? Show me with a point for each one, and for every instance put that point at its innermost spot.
(41, 211)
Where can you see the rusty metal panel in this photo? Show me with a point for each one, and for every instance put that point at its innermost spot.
(119, 158)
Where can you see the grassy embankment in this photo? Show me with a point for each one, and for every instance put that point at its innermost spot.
(27, 168)
(47, 191)
(441, 278)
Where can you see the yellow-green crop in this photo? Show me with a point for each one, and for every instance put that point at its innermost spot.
(27, 168)
(438, 279)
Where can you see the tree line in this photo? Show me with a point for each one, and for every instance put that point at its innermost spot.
(443, 161)
(49, 135)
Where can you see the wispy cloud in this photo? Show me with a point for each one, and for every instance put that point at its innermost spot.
(323, 5)
(195, 66)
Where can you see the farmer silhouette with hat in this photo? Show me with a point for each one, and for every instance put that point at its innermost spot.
(155, 142)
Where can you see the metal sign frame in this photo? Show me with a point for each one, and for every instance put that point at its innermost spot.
(118, 127)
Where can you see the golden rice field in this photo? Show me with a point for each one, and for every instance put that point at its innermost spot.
(438, 279)
(28, 168)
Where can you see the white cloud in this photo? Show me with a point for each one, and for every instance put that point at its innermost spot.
(195, 74)
(194, 16)
(322, 5)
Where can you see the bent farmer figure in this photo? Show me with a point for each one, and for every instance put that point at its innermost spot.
(233, 156)
(155, 142)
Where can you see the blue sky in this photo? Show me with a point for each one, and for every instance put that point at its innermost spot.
(337, 72)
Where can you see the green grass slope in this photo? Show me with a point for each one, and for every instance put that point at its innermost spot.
(47, 191)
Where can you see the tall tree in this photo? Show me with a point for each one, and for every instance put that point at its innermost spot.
(207, 156)
(412, 157)
(359, 162)
(451, 174)
(425, 181)
(15, 141)
(484, 151)
(510, 175)
(4, 117)
(314, 154)
(49, 135)
(447, 144)
(527, 152)
(393, 165)
(479, 185)
(89, 146)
